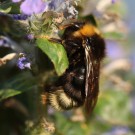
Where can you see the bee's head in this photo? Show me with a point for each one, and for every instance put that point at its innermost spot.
(71, 28)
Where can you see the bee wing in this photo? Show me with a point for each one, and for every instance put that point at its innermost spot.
(92, 79)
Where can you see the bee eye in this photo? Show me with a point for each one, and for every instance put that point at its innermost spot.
(77, 26)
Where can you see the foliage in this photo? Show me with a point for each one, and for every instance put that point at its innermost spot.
(25, 34)
(56, 53)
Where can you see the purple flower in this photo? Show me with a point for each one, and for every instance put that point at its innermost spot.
(33, 6)
(19, 16)
(1, 42)
(113, 1)
(4, 42)
(16, 0)
(54, 4)
(133, 106)
(114, 50)
(119, 131)
(23, 63)
(30, 36)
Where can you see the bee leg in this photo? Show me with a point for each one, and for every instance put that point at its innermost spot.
(55, 40)
(62, 27)
(44, 98)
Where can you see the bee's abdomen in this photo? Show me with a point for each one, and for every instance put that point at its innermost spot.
(70, 91)
(75, 86)
(61, 101)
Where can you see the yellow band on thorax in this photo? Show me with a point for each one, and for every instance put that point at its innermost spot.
(87, 30)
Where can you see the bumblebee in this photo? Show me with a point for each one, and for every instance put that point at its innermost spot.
(79, 85)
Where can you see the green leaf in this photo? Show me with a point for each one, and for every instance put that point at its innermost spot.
(6, 93)
(90, 18)
(6, 5)
(65, 126)
(17, 85)
(10, 27)
(114, 107)
(5, 10)
(56, 53)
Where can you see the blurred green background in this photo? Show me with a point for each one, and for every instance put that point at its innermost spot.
(21, 111)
